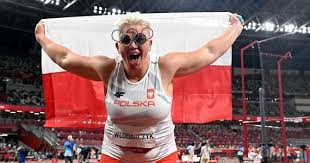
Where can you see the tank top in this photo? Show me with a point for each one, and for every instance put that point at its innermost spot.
(139, 115)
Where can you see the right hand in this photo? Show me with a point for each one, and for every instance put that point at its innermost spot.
(40, 31)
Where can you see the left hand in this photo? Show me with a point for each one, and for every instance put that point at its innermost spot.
(236, 19)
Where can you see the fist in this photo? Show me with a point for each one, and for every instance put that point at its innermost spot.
(236, 19)
(40, 29)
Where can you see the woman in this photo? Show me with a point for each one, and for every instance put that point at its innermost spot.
(139, 127)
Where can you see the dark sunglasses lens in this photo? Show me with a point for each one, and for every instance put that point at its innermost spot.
(125, 40)
(140, 38)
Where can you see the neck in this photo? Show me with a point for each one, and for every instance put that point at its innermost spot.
(136, 73)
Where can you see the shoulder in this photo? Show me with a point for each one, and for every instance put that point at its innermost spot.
(169, 58)
(106, 68)
(169, 62)
(105, 62)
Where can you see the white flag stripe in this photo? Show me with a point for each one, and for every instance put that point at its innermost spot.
(91, 35)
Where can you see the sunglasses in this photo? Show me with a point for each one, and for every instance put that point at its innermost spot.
(127, 38)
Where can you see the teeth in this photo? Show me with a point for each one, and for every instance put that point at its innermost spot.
(134, 53)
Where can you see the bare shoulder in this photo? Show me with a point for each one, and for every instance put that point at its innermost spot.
(105, 66)
(171, 62)
(168, 65)
(165, 63)
(167, 71)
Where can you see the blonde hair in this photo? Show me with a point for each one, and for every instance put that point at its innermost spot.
(132, 19)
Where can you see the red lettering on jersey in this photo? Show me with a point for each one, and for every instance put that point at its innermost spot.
(135, 103)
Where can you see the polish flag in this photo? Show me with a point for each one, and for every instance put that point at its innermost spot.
(72, 101)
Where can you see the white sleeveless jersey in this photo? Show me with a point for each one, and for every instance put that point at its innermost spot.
(139, 115)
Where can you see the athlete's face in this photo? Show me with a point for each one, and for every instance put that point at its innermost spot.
(134, 49)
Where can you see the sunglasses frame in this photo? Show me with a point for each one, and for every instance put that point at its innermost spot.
(135, 36)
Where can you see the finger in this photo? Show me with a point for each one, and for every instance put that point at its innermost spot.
(230, 16)
(240, 18)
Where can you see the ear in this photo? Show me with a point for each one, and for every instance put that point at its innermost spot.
(150, 45)
(117, 47)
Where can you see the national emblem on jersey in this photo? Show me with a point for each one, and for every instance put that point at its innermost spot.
(150, 93)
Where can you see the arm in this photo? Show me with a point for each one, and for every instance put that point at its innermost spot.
(93, 68)
(201, 151)
(74, 147)
(184, 63)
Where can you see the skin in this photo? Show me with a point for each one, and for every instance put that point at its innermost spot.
(173, 64)
(135, 70)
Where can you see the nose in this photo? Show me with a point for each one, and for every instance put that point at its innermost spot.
(133, 45)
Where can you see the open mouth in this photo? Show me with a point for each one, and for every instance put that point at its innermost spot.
(134, 56)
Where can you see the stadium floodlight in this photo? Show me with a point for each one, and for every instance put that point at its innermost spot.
(269, 26)
(53, 2)
(98, 10)
(248, 26)
(119, 11)
(254, 24)
(95, 9)
(295, 30)
(289, 28)
(303, 29)
(47, 2)
(274, 26)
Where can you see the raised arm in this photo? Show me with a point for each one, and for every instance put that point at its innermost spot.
(184, 63)
(93, 68)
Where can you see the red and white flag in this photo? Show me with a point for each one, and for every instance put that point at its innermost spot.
(72, 101)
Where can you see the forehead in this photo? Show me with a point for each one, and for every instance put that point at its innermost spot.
(133, 28)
